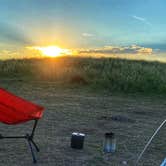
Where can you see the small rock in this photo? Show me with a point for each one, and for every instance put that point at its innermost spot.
(124, 162)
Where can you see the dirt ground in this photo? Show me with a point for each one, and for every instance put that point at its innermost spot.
(80, 110)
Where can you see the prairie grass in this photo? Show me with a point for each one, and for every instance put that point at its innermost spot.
(116, 75)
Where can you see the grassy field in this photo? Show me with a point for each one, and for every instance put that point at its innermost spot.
(78, 95)
(105, 73)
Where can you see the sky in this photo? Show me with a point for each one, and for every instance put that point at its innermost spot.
(93, 26)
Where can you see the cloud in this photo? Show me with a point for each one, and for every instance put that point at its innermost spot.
(87, 35)
(11, 34)
(141, 19)
(159, 47)
(8, 54)
(17, 52)
(133, 49)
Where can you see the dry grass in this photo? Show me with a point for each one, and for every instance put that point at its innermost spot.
(110, 74)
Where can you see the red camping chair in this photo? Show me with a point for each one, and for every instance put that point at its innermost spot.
(15, 110)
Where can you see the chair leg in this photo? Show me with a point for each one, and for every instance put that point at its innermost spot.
(32, 152)
(35, 145)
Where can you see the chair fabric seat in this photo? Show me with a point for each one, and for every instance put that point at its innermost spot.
(16, 110)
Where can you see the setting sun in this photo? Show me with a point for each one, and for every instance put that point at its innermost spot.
(53, 51)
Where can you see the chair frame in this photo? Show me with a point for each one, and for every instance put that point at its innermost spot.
(30, 140)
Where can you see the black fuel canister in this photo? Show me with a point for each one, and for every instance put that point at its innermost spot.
(77, 140)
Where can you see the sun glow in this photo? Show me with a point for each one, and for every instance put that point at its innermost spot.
(53, 51)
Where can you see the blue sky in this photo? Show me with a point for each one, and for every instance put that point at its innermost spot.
(83, 23)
